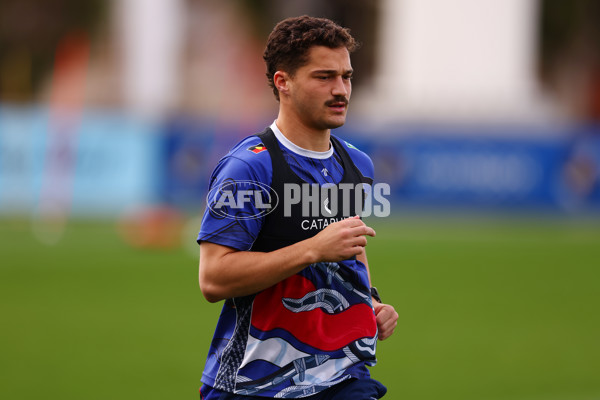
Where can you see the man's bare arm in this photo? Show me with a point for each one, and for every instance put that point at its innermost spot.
(225, 272)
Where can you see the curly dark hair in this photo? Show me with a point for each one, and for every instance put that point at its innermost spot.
(291, 39)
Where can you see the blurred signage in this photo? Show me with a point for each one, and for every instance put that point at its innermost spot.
(440, 170)
(428, 169)
(118, 164)
(111, 166)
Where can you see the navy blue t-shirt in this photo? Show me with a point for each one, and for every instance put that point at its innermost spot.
(310, 331)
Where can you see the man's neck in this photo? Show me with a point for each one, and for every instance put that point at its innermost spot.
(301, 135)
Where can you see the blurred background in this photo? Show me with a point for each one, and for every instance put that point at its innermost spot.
(483, 116)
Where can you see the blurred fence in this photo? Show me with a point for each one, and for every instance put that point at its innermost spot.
(117, 163)
(491, 168)
(495, 167)
(111, 163)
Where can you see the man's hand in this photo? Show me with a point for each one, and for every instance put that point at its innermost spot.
(341, 240)
(387, 319)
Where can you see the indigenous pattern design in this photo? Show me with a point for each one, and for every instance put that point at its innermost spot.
(296, 339)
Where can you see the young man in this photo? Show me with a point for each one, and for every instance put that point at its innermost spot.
(299, 319)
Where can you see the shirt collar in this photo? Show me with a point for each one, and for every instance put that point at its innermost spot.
(297, 149)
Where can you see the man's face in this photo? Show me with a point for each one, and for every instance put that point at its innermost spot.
(320, 90)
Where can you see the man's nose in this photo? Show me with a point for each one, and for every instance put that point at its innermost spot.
(340, 87)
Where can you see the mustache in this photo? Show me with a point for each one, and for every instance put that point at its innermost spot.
(337, 99)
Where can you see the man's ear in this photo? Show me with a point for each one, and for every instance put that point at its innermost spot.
(281, 82)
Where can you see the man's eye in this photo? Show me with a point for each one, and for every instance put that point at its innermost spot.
(347, 77)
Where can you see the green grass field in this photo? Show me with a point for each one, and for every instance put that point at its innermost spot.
(489, 309)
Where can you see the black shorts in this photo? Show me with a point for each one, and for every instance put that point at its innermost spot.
(355, 389)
